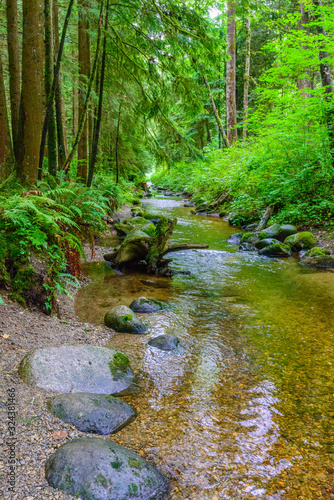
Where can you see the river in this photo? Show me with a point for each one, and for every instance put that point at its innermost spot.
(244, 409)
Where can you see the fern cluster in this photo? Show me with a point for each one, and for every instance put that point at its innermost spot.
(51, 224)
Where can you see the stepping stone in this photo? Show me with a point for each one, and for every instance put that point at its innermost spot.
(123, 319)
(79, 368)
(97, 469)
(145, 305)
(97, 413)
(165, 342)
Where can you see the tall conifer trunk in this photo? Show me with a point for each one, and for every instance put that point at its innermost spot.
(246, 76)
(231, 107)
(14, 68)
(84, 72)
(5, 141)
(31, 107)
(304, 83)
(49, 69)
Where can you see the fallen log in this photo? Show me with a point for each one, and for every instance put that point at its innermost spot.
(139, 248)
(266, 216)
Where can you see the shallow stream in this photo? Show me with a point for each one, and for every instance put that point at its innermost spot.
(245, 408)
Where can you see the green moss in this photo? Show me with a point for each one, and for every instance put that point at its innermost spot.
(119, 363)
(262, 235)
(127, 317)
(133, 488)
(101, 480)
(134, 463)
(23, 281)
(116, 465)
(149, 230)
(246, 237)
(300, 241)
(314, 252)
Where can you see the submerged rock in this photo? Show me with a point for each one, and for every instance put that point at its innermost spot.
(78, 368)
(301, 241)
(97, 413)
(146, 305)
(123, 319)
(235, 238)
(96, 469)
(320, 261)
(247, 247)
(265, 243)
(314, 252)
(165, 342)
(276, 250)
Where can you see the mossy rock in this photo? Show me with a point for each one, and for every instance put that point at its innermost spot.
(123, 319)
(270, 232)
(315, 251)
(93, 413)
(320, 261)
(286, 230)
(265, 243)
(247, 247)
(276, 250)
(146, 305)
(77, 368)
(98, 469)
(235, 239)
(301, 241)
(149, 229)
(246, 237)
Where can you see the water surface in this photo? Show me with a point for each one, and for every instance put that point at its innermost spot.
(245, 408)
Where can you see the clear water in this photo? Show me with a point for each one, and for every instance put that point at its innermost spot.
(245, 408)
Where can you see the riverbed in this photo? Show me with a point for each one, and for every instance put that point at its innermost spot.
(244, 409)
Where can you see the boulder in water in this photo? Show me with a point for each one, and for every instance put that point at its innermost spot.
(165, 342)
(123, 319)
(235, 238)
(276, 250)
(286, 230)
(146, 305)
(270, 232)
(96, 469)
(247, 247)
(265, 243)
(78, 368)
(301, 241)
(96, 413)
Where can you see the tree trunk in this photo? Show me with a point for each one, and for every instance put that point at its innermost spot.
(83, 114)
(5, 142)
(60, 105)
(325, 70)
(215, 112)
(116, 145)
(97, 124)
(49, 68)
(14, 68)
(266, 216)
(84, 70)
(246, 76)
(231, 107)
(31, 107)
(304, 83)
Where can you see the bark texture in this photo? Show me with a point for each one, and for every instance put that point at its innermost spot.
(14, 67)
(231, 107)
(31, 107)
(5, 141)
(304, 84)
(246, 76)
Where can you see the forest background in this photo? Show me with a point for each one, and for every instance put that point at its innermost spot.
(223, 100)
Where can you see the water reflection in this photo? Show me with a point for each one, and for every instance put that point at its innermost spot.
(244, 409)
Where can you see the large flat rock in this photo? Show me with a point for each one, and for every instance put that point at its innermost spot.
(79, 368)
(96, 469)
(96, 413)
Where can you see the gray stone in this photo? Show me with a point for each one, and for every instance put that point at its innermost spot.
(301, 241)
(97, 469)
(97, 413)
(265, 243)
(78, 368)
(247, 247)
(123, 319)
(146, 305)
(276, 250)
(270, 232)
(165, 342)
(320, 261)
(251, 227)
(235, 238)
(286, 230)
